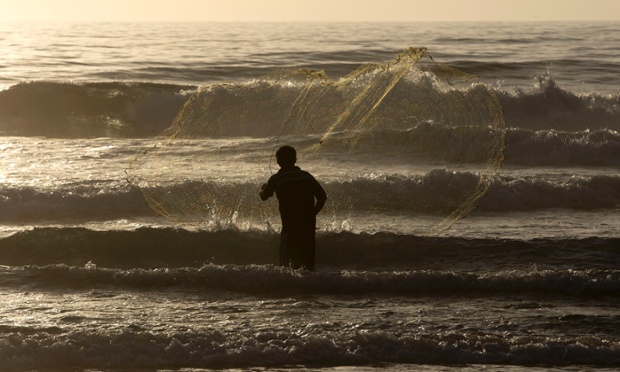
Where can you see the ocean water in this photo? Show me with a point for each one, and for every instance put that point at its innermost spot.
(92, 278)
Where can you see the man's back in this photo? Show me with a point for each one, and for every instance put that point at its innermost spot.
(296, 191)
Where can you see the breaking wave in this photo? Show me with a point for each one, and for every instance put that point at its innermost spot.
(77, 110)
(403, 195)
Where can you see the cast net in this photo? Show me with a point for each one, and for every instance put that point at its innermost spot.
(409, 137)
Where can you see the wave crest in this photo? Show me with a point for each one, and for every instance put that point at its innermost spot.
(68, 110)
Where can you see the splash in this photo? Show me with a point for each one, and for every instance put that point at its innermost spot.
(404, 119)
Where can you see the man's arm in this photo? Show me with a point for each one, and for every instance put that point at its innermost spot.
(321, 197)
(266, 191)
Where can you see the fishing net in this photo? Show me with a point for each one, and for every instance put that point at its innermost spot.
(407, 137)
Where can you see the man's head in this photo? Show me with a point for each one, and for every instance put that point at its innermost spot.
(286, 156)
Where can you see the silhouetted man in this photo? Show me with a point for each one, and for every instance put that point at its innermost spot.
(296, 191)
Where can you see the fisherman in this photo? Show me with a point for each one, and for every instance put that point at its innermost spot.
(300, 198)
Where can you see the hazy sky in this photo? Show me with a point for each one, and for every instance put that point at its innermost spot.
(308, 10)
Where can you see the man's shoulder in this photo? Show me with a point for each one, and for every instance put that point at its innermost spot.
(291, 174)
(298, 172)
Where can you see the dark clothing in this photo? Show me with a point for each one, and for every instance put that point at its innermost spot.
(296, 191)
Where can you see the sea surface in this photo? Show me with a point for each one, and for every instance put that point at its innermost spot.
(92, 278)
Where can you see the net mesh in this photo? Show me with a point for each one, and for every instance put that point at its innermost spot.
(406, 137)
